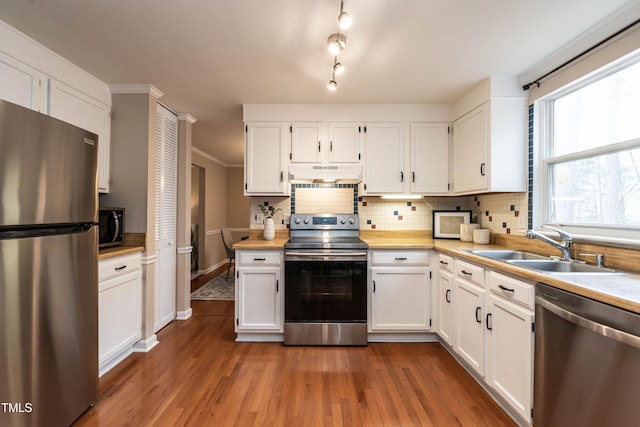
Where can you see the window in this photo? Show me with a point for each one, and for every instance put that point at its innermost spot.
(590, 153)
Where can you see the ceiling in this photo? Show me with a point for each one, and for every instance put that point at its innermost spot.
(211, 56)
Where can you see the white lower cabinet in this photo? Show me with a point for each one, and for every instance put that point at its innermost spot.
(469, 309)
(400, 291)
(119, 308)
(510, 340)
(492, 332)
(445, 299)
(259, 292)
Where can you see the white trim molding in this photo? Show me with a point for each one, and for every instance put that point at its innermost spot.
(184, 249)
(151, 259)
(212, 232)
(184, 315)
(145, 346)
(131, 89)
(207, 156)
(187, 117)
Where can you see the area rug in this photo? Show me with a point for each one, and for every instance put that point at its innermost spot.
(216, 289)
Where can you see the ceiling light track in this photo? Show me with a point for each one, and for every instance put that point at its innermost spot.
(336, 43)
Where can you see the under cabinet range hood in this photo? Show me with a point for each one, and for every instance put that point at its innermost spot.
(346, 173)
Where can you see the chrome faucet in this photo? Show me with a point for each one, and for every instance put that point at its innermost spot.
(565, 246)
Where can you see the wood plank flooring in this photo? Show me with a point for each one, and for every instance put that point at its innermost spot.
(199, 376)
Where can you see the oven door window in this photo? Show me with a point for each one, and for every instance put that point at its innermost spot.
(326, 291)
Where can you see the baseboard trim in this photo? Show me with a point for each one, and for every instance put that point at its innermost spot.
(184, 315)
(145, 346)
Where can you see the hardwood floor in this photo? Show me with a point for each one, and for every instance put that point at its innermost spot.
(199, 376)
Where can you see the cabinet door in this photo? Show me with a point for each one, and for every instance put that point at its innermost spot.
(259, 299)
(510, 353)
(73, 106)
(430, 158)
(470, 140)
(307, 143)
(445, 306)
(165, 216)
(265, 165)
(469, 325)
(385, 154)
(344, 142)
(119, 315)
(21, 84)
(400, 299)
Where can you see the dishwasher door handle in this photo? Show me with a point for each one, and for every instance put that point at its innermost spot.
(598, 328)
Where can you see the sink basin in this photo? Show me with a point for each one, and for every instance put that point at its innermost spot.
(506, 255)
(556, 266)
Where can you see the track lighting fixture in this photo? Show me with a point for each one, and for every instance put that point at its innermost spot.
(338, 68)
(336, 43)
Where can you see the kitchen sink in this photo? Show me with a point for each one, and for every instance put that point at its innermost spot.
(505, 255)
(557, 266)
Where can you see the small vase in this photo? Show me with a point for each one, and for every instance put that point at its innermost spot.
(269, 229)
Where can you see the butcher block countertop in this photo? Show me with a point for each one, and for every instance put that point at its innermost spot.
(118, 250)
(621, 290)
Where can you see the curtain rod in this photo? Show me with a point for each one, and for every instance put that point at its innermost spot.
(580, 55)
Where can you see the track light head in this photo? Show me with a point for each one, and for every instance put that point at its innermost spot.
(336, 42)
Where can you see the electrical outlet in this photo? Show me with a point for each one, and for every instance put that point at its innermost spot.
(259, 219)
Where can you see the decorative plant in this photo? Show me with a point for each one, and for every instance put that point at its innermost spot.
(269, 211)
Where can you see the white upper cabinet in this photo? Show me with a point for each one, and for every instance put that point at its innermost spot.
(265, 162)
(403, 159)
(75, 107)
(490, 140)
(384, 169)
(306, 142)
(21, 84)
(315, 142)
(344, 142)
(429, 158)
(32, 76)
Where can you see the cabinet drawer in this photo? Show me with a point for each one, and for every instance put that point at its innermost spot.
(446, 263)
(117, 266)
(399, 258)
(259, 258)
(512, 289)
(469, 272)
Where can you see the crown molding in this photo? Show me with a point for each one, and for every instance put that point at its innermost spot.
(208, 156)
(131, 89)
(188, 117)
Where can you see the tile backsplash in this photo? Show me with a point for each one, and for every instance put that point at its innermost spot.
(503, 213)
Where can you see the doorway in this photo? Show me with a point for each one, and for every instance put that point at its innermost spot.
(197, 219)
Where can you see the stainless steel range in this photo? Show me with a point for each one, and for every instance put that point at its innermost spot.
(325, 281)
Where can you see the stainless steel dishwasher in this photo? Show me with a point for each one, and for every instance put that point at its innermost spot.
(587, 362)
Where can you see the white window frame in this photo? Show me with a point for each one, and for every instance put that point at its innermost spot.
(542, 139)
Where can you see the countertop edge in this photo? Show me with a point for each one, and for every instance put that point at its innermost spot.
(115, 251)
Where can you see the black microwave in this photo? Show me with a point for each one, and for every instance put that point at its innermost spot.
(111, 230)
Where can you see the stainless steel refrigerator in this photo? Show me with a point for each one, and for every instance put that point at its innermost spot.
(48, 269)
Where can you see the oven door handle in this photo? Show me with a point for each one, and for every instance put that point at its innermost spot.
(325, 254)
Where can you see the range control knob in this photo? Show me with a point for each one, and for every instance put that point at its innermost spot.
(306, 220)
(343, 221)
(297, 221)
(352, 220)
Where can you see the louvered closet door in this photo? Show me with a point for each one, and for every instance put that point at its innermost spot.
(165, 231)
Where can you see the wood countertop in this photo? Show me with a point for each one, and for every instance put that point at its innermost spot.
(118, 250)
(621, 290)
